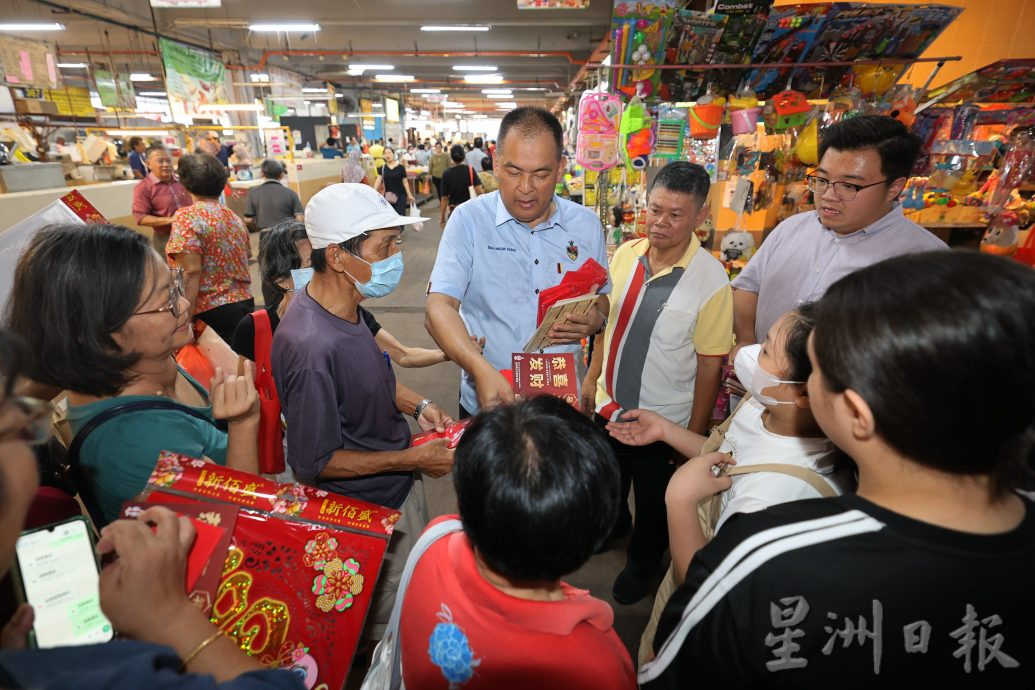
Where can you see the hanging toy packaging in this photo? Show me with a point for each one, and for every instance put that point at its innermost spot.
(640, 39)
(636, 128)
(598, 142)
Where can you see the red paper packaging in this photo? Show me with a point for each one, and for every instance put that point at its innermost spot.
(452, 434)
(297, 580)
(546, 374)
(587, 278)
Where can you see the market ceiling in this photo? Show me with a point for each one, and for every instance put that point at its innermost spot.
(538, 53)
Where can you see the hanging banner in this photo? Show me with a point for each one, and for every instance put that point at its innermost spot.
(332, 104)
(114, 90)
(193, 75)
(71, 100)
(26, 63)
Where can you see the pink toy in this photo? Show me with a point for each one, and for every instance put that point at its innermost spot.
(597, 147)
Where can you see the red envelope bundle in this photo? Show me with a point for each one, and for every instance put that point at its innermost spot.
(587, 278)
(452, 434)
(297, 580)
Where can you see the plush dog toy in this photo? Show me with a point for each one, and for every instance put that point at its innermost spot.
(737, 245)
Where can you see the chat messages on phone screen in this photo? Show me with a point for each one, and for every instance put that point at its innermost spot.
(60, 578)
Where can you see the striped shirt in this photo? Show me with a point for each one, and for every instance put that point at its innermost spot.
(657, 326)
(842, 593)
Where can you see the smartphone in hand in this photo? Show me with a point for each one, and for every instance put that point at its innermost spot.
(56, 571)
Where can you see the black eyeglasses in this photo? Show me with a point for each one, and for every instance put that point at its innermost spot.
(845, 191)
(33, 424)
(176, 291)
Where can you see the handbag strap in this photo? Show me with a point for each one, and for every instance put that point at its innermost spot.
(811, 477)
(430, 536)
(263, 350)
(125, 408)
(718, 434)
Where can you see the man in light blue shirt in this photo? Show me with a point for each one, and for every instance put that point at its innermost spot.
(500, 250)
(474, 156)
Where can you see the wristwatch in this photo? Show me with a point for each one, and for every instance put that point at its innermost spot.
(420, 408)
(603, 324)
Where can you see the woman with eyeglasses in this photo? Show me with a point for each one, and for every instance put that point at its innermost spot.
(103, 314)
(171, 642)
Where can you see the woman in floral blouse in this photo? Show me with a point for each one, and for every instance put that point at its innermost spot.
(210, 243)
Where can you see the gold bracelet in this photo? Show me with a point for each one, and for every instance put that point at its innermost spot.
(199, 649)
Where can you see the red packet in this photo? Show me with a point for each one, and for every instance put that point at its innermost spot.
(589, 277)
(78, 204)
(214, 525)
(546, 374)
(452, 434)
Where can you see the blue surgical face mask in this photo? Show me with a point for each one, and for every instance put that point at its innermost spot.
(384, 276)
(301, 277)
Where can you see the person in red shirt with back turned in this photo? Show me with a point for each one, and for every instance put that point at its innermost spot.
(158, 196)
(537, 491)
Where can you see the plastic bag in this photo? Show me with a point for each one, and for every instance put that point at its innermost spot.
(415, 213)
(195, 363)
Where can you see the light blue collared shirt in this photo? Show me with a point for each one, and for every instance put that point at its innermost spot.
(496, 266)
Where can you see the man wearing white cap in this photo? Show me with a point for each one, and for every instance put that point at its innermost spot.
(344, 408)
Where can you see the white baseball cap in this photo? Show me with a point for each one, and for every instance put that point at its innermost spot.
(345, 210)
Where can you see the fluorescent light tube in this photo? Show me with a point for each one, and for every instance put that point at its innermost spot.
(29, 26)
(284, 27)
(455, 27)
(484, 79)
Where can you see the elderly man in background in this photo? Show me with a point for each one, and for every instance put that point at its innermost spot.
(268, 204)
(158, 196)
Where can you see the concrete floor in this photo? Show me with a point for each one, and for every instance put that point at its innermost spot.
(402, 314)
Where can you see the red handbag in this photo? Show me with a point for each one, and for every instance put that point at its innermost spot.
(271, 433)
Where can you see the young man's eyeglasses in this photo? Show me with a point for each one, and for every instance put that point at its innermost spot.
(33, 420)
(845, 191)
(176, 291)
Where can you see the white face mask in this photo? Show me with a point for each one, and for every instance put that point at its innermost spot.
(755, 378)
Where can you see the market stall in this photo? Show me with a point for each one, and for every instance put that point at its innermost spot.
(747, 89)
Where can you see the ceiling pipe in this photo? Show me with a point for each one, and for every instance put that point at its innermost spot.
(151, 53)
(267, 54)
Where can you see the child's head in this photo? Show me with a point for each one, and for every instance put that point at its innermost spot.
(537, 488)
(933, 354)
(784, 356)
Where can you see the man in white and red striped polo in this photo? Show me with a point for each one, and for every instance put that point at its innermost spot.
(669, 326)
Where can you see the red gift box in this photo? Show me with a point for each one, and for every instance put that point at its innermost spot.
(298, 579)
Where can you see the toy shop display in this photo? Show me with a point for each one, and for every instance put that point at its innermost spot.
(790, 31)
(1005, 81)
(694, 38)
(976, 171)
(297, 574)
(639, 36)
(743, 90)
